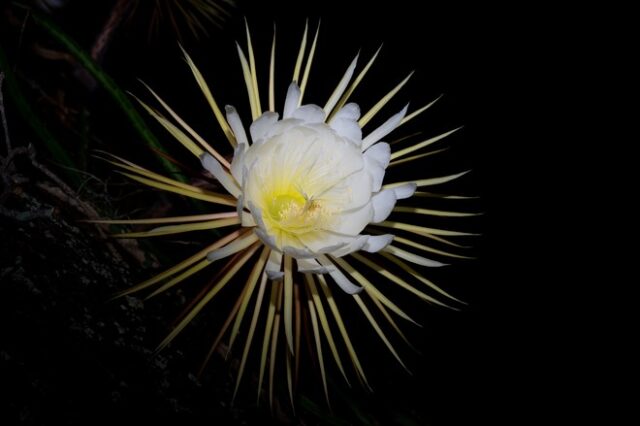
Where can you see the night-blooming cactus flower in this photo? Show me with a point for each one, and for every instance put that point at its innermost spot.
(309, 207)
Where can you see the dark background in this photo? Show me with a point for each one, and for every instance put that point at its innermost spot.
(68, 356)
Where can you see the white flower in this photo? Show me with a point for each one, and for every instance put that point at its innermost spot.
(309, 193)
(309, 186)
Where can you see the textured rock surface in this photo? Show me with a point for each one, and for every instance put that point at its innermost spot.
(67, 354)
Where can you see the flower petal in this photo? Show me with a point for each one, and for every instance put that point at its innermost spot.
(237, 164)
(385, 129)
(274, 265)
(291, 101)
(380, 153)
(236, 125)
(348, 129)
(323, 241)
(313, 266)
(340, 279)
(354, 221)
(376, 161)
(267, 239)
(299, 253)
(405, 190)
(262, 125)
(375, 243)
(247, 220)
(383, 203)
(356, 244)
(352, 192)
(345, 123)
(310, 114)
(215, 168)
(350, 111)
(261, 228)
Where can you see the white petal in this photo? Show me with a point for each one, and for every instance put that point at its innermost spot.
(340, 279)
(375, 243)
(354, 221)
(348, 129)
(383, 202)
(237, 164)
(261, 229)
(291, 101)
(380, 153)
(405, 191)
(267, 239)
(215, 168)
(298, 253)
(357, 243)
(384, 130)
(274, 265)
(282, 126)
(262, 125)
(350, 111)
(323, 242)
(344, 283)
(376, 172)
(312, 266)
(354, 191)
(247, 220)
(249, 192)
(376, 161)
(236, 125)
(257, 215)
(368, 243)
(310, 114)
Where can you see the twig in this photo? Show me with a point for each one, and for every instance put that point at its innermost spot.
(50, 174)
(102, 41)
(23, 27)
(7, 140)
(6, 161)
(64, 194)
(26, 216)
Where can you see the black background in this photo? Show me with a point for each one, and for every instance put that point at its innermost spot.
(476, 365)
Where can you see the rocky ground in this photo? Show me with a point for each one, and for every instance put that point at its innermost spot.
(67, 354)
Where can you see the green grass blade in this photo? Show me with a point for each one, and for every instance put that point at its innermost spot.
(119, 96)
(30, 117)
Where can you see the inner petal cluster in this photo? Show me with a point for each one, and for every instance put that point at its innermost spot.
(309, 186)
(300, 182)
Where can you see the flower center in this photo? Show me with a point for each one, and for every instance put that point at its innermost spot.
(305, 186)
(296, 213)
